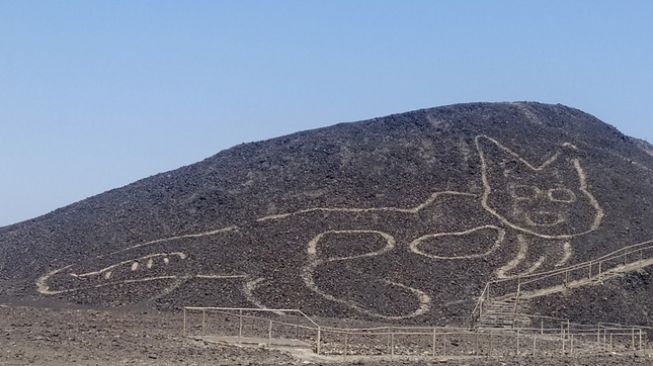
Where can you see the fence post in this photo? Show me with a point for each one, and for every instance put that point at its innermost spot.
(392, 343)
(203, 321)
(534, 344)
(444, 342)
(488, 292)
(571, 346)
(388, 340)
(319, 336)
(600, 273)
(184, 328)
(478, 346)
(611, 343)
(640, 339)
(633, 339)
(346, 343)
(433, 344)
(589, 269)
(240, 326)
(491, 345)
(270, 333)
(541, 326)
(514, 312)
(518, 341)
(562, 337)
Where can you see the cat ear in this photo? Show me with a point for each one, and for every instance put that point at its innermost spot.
(495, 155)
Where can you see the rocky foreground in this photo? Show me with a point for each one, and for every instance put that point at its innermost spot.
(46, 336)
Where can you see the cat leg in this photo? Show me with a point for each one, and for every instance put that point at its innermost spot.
(545, 255)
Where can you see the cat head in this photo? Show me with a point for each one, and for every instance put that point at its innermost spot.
(551, 200)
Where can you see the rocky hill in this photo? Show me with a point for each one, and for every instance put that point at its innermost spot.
(402, 218)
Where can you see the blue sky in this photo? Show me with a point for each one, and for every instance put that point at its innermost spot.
(97, 94)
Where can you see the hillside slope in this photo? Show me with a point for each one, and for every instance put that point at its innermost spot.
(401, 218)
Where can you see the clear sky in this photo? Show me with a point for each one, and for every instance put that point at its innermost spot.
(97, 94)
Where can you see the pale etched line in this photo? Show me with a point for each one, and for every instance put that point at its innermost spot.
(521, 256)
(533, 268)
(43, 287)
(308, 273)
(415, 209)
(390, 243)
(414, 246)
(541, 167)
(600, 214)
(249, 288)
(487, 189)
(217, 277)
(133, 261)
(42, 282)
(528, 113)
(186, 236)
(567, 253)
(594, 281)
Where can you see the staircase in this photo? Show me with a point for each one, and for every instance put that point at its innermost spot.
(502, 313)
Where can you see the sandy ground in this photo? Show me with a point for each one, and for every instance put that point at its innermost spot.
(46, 336)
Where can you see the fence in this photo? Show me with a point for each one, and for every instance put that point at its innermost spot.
(292, 328)
(539, 284)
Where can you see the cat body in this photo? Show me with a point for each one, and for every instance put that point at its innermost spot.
(384, 262)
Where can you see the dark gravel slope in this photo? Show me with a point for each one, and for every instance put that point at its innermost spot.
(553, 174)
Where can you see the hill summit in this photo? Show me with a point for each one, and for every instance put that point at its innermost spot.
(402, 218)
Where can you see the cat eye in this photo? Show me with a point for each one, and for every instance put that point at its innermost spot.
(561, 195)
(520, 191)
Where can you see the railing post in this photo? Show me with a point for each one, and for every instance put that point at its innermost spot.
(640, 339)
(270, 333)
(633, 339)
(204, 322)
(317, 341)
(600, 273)
(240, 326)
(534, 344)
(562, 337)
(516, 300)
(518, 341)
(488, 291)
(542, 326)
(184, 327)
(433, 342)
(589, 269)
(491, 345)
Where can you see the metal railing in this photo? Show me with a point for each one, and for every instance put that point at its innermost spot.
(293, 328)
(597, 269)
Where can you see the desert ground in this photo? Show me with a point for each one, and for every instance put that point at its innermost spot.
(36, 335)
